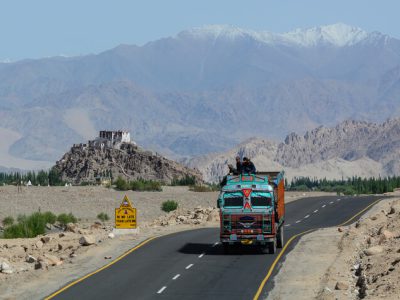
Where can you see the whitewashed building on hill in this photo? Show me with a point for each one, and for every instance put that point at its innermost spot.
(112, 139)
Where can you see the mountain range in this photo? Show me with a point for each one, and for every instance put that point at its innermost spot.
(204, 90)
(352, 148)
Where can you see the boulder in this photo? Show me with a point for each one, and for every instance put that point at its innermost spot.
(373, 250)
(213, 216)
(71, 227)
(340, 285)
(5, 268)
(30, 259)
(388, 234)
(53, 260)
(96, 226)
(87, 240)
(39, 244)
(41, 264)
(45, 239)
(181, 218)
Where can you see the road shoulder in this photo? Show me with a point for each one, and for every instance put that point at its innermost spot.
(324, 263)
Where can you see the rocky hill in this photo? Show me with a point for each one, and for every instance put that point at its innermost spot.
(89, 163)
(352, 148)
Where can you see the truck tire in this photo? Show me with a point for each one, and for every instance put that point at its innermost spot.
(226, 248)
(280, 238)
(272, 247)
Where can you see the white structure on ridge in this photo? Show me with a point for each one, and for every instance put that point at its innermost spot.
(112, 139)
(119, 136)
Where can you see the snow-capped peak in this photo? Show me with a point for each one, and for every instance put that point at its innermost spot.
(337, 35)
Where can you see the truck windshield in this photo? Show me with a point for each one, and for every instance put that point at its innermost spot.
(261, 199)
(233, 199)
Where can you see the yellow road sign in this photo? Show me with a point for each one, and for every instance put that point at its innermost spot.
(125, 215)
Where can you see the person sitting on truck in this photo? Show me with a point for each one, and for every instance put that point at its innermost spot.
(248, 166)
(238, 165)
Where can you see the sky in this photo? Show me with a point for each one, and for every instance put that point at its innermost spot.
(43, 28)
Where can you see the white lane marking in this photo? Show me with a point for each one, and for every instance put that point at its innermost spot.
(306, 216)
(315, 211)
(323, 206)
(298, 221)
(176, 276)
(338, 200)
(201, 255)
(331, 202)
(189, 266)
(215, 244)
(161, 290)
(287, 225)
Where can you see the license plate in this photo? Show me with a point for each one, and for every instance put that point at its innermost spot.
(246, 242)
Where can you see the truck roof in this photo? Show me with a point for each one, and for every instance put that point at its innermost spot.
(259, 181)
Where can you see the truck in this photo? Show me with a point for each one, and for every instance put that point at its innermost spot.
(252, 211)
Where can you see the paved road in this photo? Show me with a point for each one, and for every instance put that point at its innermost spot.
(191, 265)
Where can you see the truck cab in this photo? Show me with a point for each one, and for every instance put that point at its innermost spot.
(252, 210)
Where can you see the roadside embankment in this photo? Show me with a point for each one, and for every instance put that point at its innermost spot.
(360, 261)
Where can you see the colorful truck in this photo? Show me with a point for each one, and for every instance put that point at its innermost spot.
(252, 210)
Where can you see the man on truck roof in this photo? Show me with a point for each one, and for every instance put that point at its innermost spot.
(248, 166)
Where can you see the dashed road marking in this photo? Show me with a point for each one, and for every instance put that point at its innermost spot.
(176, 276)
(315, 211)
(323, 206)
(331, 202)
(338, 200)
(298, 221)
(161, 290)
(189, 266)
(201, 255)
(306, 216)
(287, 225)
(215, 244)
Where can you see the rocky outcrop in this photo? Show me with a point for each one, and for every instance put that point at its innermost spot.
(352, 148)
(90, 163)
(198, 215)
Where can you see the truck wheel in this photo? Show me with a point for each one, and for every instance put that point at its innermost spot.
(279, 238)
(272, 247)
(226, 248)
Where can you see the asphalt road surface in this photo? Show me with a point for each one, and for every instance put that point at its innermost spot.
(192, 264)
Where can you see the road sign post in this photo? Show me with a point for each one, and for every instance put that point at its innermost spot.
(125, 215)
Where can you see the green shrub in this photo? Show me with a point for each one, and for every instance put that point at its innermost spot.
(169, 205)
(8, 221)
(103, 217)
(146, 185)
(64, 219)
(27, 227)
(138, 185)
(187, 180)
(34, 224)
(14, 232)
(50, 217)
(121, 184)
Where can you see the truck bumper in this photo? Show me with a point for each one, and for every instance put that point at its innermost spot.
(259, 239)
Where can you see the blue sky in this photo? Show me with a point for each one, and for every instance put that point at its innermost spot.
(33, 29)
